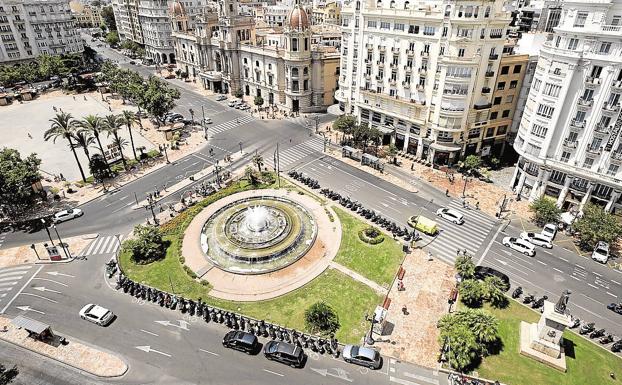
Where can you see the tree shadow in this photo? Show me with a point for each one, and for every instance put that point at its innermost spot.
(569, 348)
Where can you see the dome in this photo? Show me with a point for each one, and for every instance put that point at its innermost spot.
(297, 19)
(177, 9)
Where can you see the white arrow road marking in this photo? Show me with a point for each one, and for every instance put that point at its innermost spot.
(504, 263)
(208, 352)
(42, 289)
(147, 349)
(62, 274)
(182, 324)
(28, 308)
(275, 373)
(51, 280)
(148, 332)
(20, 290)
(421, 378)
(40, 296)
(341, 374)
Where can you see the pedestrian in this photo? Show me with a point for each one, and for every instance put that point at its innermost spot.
(74, 97)
(54, 108)
(429, 255)
(109, 108)
(447, 192)
(458, 252)
(477, 205)
(404, 310)
(465, 252)
(29, 136)
(85, 98)
(412, 167)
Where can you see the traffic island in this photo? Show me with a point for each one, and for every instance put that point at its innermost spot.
(24, 254)
(73, 353)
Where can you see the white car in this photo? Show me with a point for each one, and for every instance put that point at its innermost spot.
(451, 215)
(234, 103)
(221, 97)
(537, 239)
(520, 245)
(549, 230)
(601, 252)
(96, 314)
(66, 215)
(207, 120)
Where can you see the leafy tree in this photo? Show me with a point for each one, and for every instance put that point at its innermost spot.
(545, 211)
(93, 124)
(238, 93)
(63, 126)
(471, 292)
(8, 375)
(147, 246)
(321, 318)
(108, 16)
(99, 168)
(128, 118)
(494, 291)
(392, 152)
(249, 174)
(112, 38)
(51, 65)
(112, 124)
(345, 124)
(83, 139)
(158, 98)
(484, 326)
(471, 163)
(597, 225)
(258, 160)
(463, 347)
(258, 101)
(465, 266)
(16, 178)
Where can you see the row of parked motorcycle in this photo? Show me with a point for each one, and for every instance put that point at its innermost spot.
(313, 183)
(232, 320)
(585, 328)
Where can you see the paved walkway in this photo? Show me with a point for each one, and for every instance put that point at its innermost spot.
(358, 277)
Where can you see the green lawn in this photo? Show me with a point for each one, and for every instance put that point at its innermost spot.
(350, 299)
(586, 362)
(376, 262)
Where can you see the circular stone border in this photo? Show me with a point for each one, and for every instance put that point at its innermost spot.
(244, 287)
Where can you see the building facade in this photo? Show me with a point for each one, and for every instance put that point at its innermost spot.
(326, 13)
(29, 28)
(417, 71)
(227, 53)
(86, 16)
(569, 137)
(126, 17)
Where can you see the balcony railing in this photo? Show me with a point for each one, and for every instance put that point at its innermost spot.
(410, 52)
(594, 150)
(592, 80)
(420, 88)
(617, 84)
(422, 72)
(586, 102)
(611, 28)
(425, 54)
(577, 123)
(570, 143)
(616, 155)
(380, 63)
(482, 106)
(407, 69)
(613, 107)
(493, 56)
(485, 90)
(602, 129)
(406, 84)
(490, 74)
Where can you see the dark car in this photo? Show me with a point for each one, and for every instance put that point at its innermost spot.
(615, 307)
(285, 353)
(481, 272)
(242, 341)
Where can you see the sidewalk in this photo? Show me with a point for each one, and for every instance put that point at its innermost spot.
(25, 254)
(356, 276)
(76, 354)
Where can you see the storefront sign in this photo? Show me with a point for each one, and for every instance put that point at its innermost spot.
(614, 133)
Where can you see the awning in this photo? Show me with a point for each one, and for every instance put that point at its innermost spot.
(30, 324)
(385, 130)
(348, 149)
(370, 158)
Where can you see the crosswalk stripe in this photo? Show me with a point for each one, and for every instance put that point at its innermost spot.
(113, 245)
(103, 245)
(9, 283)
(10, 279)
(91, 246)
(475, 213)
(5, 288)
(16, 268)
(13, 273)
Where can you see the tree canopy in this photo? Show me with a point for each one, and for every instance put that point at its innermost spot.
(597, 225)
(147, 246)
(545, 211)
(158, 98)
(112, 38)
(321, 318)
(17, 176)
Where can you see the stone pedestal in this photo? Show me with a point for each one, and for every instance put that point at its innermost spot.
(542, 341)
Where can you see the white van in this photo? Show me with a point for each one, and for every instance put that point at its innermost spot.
(601, 252)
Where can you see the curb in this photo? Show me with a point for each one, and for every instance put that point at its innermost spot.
(127, 367)
(48, 262)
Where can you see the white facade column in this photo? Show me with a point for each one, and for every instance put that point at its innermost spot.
(538, 190)
(615, 195)
(586, 197)
(516, 169)
(562, 195)
(521, 182)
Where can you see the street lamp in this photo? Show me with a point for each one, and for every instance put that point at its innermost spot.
(65, 249)
(151, 204)
(47, 230)
(240, 144)
(163, 147)
(369, 338)
(466, 179)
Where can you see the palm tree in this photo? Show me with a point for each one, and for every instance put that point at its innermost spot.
(112, 124)
(83, 140)
(128, 118)
(93, 124)
(484, 326)
(63, 126)
(258, 160)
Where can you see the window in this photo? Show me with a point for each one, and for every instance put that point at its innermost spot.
(493, 115)
(579, 21)
(536, 84)
(588, 162)
(517, 69)
(565, 157)
(497, 100)
(505, 70)
(444, 31)
(371, 23)
(501, 85)
(538, 131)
(406, 4)
(385, 25)
(572, 44)
(398, 27)
(295, 45)
(513, 84)
(474, 133)
(413, 29)
(461, 52)
(545, 111)
(613, 169)
(551, 89)
(429, 31)
(509, 98)
(604, 48)
(490, 132)
(501, 130)
(392, 4)
(505, 113)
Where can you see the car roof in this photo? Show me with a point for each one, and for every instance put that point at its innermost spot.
(98, 311)
(284, 347)
(244, 337)
(365, 352)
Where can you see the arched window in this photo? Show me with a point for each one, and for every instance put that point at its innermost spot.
(487, 13)
(392, 4)
(295, 45)
(305, 71)
(406, 4)
(379, 4)
(269, 66)
(358, 5)
(294, 72)
(245, 61)
(460, 11)
(256, 63)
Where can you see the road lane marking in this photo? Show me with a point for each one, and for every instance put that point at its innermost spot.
(400, 381)
(208, 352)
(15, 268)
(147, 349)
(579, 266)
(40, 296)
(28, 308)
(613, 295)
(20, 290)
(595, 273)
(563, 259)
(504, 263)
(594, 286)
(616, 282)
(10, 279)
(556, 269)
(572, 276)
(489, 245)
(51, 280)
(421, 378)
(8, 283)
(592, 299)
(541, 262)
(148, 332)
(275, 373)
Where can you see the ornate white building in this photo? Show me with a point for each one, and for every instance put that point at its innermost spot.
(126, 17)
(422, 71)
(29, 28)
(569, 137)
(227, 53)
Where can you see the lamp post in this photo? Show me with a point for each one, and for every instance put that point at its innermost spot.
(369, 338)
(317, 123)
(65, 249)
(203, 123)
(47, 230)
(150, 206)
(240, 144)
(217, 171)
(163, 147)
(466, 179)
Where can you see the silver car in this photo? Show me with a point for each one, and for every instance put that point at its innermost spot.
(537, 239)
(363, 356)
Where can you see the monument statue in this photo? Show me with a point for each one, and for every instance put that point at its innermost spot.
(560, 306)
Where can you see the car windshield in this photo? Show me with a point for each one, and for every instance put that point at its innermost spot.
(272, 348)
(355, 351)
(601, 251)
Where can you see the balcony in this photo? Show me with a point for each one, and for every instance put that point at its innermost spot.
(393, 65)
(493, 56)
(425, 54)
(422, 71)
(380, 63)
(585, 102)
(369, 46)
(367, 76)
(594, 150)
(570, 143)
(611, 107)
(592, 80)
(406, 84)
(395, 50)
(602, 129)
(485, 90)
(420, 88)
(407, 69)
(482, 106)
(382, 48)
(617, 155)
(617, 85)
(392, 81)
(577, 123)
(410, 52)
(611, 28)
(490, 74)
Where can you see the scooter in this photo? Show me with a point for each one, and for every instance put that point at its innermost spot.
(517, 292)
(586, 328)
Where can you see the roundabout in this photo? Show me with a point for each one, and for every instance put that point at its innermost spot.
(260, 244)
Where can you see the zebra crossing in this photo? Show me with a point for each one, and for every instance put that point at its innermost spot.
(10, 277)
(470, 236)
(300, 120)
(103, 245)
(222, 127)
(295, 153)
